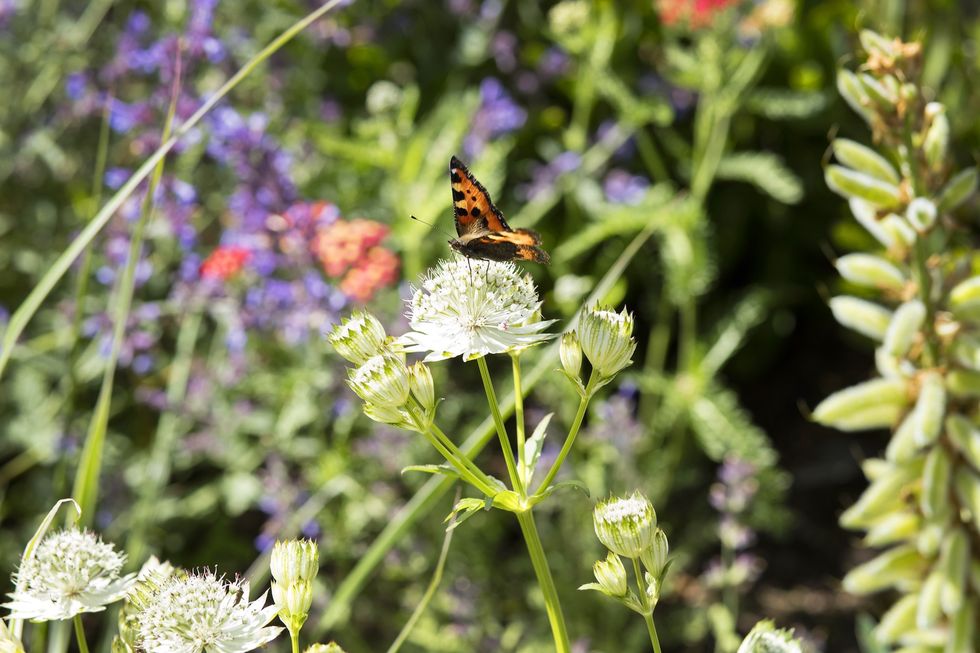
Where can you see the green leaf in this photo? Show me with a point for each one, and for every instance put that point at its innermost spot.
(572, 484)
(443, 469)
(730, 334)
(463, 510)
(784, 104)
(723, 428)
(532, 450)
(765, 171)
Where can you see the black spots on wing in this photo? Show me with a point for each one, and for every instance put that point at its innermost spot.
(455, 178)
(458, 195)
(475, 211)
(461, 211)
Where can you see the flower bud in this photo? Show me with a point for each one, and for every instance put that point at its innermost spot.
(963, 383)
(851, 89)
(964, 298)
(964, 628)
(766, 638)
(867, 217)
(570, 353)
(900, 567)
(936, 141)
(872, 404)
(883, 92)
(611, 575)
(902, 448)
(626, 526)
(332, 647)
(294, 602)
(930, 408)
(865, 160)
(929, 612)
(870, 271)
(851, 183)
(876, 45)
(898, 620)
(904, 327)
(958, 189)
(883, 496)
(607, 340)
(655, 557)
(965, 437)
(968, 492)
(382, 381)
(891, 528)
(954, 562)
(867, 318)
(422, 386)
(294, 560)
(936, 477)
(388, 415)
(900, 232)
(359, 337)
(921, 214)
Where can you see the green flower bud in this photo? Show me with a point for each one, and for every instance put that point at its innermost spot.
(929, 612)
(891, 528)
(611, 575)
(965, 437)
(851, 183)
(968, 492)
(570, 353)
(388, 415)
(332, 647)
(959, 189)
(294, 601)
(964, 628)
(877, 45)
(872, 404)
(898, 620)
(422, 386)
(382, 381)
(904, 327)
(900, 232)
(864, 159)
(883, 92)
(867, 318)
(851, 89)
(930, 536)
(607, 340)
(902, 448)
(294, 560)
(963, 384)
(930, 408)
(954, 562)
(900, 567)
(655, 557)
(359, 337)
(867, 217)
(766, 638)
(921, 214)
(936, 142)
(936, 478)
(626, 526)
(870, 271)
(964, 298)
(882, 497)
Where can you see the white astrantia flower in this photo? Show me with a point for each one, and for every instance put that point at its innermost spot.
(71, 572)
(473, 308)
(202, 613)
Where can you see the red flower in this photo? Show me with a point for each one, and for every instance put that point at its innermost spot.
(343, 244)
(225, 262)
(376, 269)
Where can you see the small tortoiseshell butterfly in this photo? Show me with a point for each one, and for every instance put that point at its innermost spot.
(482, 231)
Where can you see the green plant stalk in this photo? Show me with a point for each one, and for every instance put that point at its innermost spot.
(461, 468)
(86, 487)
(426, 497)
(80, 634)
(566, 447)
(515, 359)
(440, 435)
(22, 316)
(294, 641)
(645, 602)
(515, 480)
(430, 591)
(540, 563)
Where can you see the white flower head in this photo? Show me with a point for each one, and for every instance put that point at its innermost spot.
(382, 380)
(71, 572)
(200, 613)
(473, 308)
(359, 337)
(626, 525)
(766, 638)
(607, 339)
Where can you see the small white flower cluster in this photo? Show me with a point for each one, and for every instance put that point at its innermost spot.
(71, 572)
(294, 565)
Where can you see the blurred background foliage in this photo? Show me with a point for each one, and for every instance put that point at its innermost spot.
(699, 128)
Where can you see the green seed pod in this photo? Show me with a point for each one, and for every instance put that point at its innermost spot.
(870, 271)
(872, 404)
(968, 492)
(899, 231)
(931, 536)
(875, 44)
(851, 89)
(889, 366)
(936, 477)
(959, 189)
(891, 528)
(900, 567)
(867, 217)
(883, 92)
(936, 141)
(850, 183)
(964, 629)
(963, 384)
(899, 620)
(867, 318)
(954, 561)
(965, 437)
(966, 351)
(930, 408)
(929, 611)
(863, 159)
(902, 447)
(964, 298)
(904, 327)
(882, 497)
(921, 214)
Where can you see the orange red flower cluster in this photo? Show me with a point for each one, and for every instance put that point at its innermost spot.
(225, 262)
(695, 13)
(352, 250)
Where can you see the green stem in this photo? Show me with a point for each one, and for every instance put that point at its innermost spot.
(498, 421)
(459, 462)
(20, 318)
(294, 641)
(80, 634)
(464, 460)
(518, 408)
(645, 603)
(572, 433)
(540, 563)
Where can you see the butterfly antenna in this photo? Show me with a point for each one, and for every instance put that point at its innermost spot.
(433, 226)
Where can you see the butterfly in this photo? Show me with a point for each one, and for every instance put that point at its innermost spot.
(481, 230)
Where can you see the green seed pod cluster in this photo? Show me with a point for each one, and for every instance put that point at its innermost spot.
(919, 302)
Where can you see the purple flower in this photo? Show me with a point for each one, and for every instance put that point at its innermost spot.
(543, 177)
(497, 116)
(621, 187)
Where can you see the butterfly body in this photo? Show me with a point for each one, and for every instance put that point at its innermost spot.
(482, 232)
